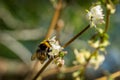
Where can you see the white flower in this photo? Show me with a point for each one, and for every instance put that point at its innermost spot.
(95, 63)
(95, 15)
(55, 47)
(56, 52)
(75, 74)
(81, 56)
(59, 61)
(94, 44)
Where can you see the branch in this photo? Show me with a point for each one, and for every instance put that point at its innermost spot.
(113, 76)
(54, 19)
(43, 68)
(63, 70)
(76, 36)
(107, 18)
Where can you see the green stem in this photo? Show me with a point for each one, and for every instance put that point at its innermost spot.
(107, 18)
(107, 21)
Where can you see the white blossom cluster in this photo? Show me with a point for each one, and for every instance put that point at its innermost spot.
(95, 15)
(56, 51)
(83, 55)
(55, 47)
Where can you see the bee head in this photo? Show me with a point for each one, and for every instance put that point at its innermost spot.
(43, 46)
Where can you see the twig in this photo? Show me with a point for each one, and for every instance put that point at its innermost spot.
(43, 68)
(75, 68)
(76, 36)
(113, 76)
(107, 18)
(63, 70)
(55, 19)
(58, 28)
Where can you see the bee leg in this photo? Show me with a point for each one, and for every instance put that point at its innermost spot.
(48, 55)
(48, 50)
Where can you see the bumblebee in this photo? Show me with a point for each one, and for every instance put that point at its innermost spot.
(42, 51)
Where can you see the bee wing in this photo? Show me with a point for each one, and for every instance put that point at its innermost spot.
(34, 56)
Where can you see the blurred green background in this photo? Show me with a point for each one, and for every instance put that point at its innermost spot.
(24, 23)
